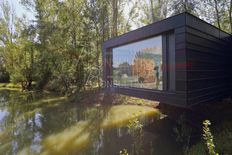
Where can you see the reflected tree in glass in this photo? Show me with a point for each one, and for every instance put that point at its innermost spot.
(139, 64)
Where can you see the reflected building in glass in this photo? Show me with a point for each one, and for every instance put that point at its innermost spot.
(139, 64)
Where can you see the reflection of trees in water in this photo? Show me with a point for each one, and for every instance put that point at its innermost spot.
(22, 125)
(29, 124)
(15, 126)
(135, 129)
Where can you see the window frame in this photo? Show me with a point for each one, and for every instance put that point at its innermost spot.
(165, 64)
(110, 50)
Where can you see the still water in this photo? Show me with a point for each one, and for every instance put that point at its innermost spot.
(35, 123)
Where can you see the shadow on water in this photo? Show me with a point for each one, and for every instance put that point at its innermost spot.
(35, 123)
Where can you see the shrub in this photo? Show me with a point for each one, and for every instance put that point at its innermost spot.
(208, 137)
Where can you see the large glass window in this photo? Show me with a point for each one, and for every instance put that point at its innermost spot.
(139, 64)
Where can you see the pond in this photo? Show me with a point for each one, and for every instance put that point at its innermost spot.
(37, 123)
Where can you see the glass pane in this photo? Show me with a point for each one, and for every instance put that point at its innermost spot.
(139, 64)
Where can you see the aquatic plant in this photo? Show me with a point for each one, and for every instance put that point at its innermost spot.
(208, 137)
(134, 125)
(124, 152)
(135, 129)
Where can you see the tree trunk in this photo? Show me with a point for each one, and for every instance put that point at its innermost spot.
(74, 39)
(217, 13)
(30, 78)
(230, 16)
(152, 10)
(115, 18)
(29, 84)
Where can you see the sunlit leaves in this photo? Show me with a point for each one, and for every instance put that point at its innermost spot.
(208, 137)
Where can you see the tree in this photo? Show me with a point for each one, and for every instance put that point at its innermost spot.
(230, 15)
(7, 36)
(179, 6)
(61, 48)
(153, 10)
(216, 12)
(22, 55)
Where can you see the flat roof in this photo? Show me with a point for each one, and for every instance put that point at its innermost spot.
(162, 26)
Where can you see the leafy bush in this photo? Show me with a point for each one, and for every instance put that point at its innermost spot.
(197, 149)
(220, 142)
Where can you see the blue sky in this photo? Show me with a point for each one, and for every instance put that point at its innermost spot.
(20, 10)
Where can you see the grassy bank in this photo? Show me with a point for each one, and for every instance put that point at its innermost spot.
(102, 97)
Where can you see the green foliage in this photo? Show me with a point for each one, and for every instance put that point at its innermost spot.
(223, 138)
(197, 149)
(208, 137)
(62, 48)
(19, 54)
(179, 6)
(221, 141)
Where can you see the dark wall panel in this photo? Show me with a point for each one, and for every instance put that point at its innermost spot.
(180, 52)
(208, 53)
(171, 58)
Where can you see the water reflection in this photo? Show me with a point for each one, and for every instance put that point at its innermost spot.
(46, 124)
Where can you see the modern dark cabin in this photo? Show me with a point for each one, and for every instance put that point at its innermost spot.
(180, 61)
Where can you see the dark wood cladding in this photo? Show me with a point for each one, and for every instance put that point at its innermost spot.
(209, 56)
(203, 61)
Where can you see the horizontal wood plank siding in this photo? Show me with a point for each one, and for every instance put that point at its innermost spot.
(181, 66)
(208, 55)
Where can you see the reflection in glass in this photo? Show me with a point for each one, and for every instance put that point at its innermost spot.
(139, 64)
